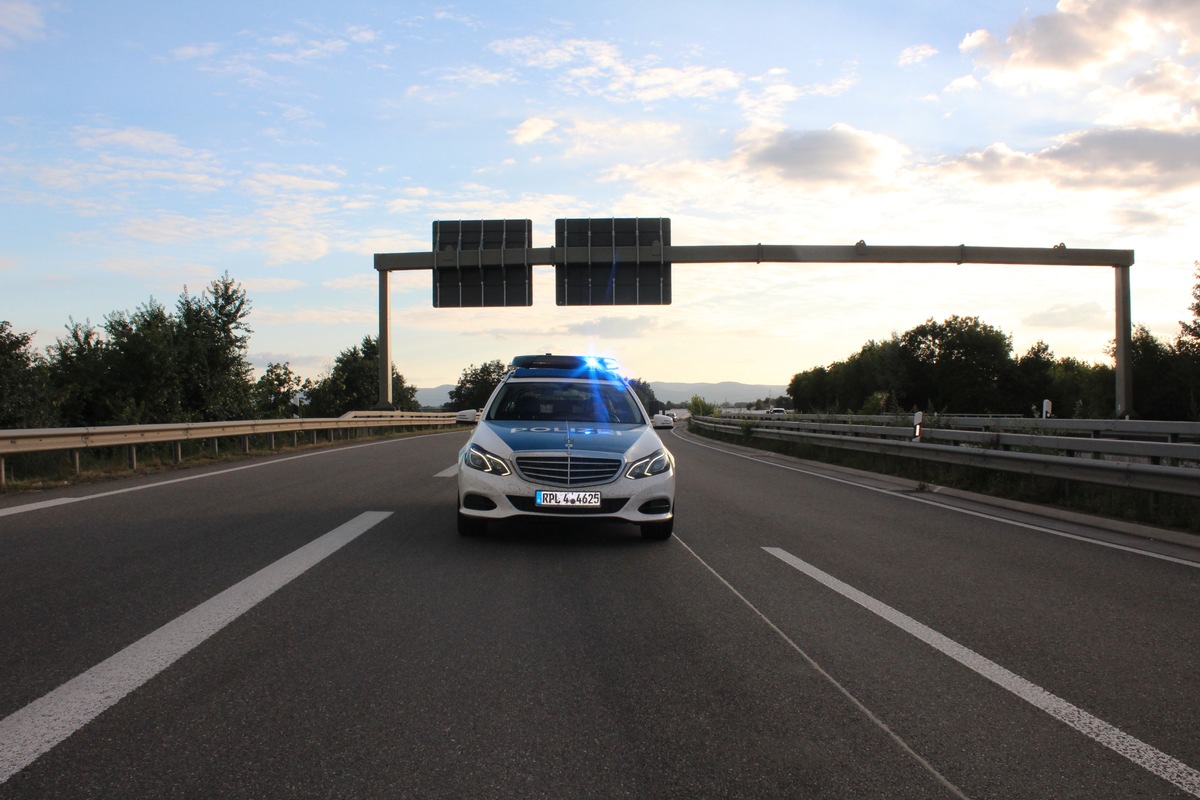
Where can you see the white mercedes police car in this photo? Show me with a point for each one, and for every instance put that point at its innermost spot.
(565, 437)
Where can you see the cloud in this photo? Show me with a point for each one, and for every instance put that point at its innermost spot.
(839, 154)
(1066, 315)
(266, 285)
(195, 51)
(532, 130)
(474, 76)
(916, 54)
(273, 183)
(966, 83)
(1082, 41)
(131, 138)
(318, 316)
(20, 21)
(606, 328)
(1140, 159)
(592, 67)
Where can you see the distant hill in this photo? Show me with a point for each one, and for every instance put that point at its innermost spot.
(436, 397)
(724, 392)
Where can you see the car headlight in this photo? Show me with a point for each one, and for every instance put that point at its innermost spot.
(656, 463)
(478, 458)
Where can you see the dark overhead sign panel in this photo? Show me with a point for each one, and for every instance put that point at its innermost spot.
(596, 277)
(459, 285)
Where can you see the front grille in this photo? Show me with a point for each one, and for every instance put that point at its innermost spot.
(608, 505)
(568, 470)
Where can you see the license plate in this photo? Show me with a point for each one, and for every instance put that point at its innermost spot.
(568, 499)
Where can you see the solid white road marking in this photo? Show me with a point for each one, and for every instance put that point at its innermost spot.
(1134, 749)
(957, 509)
(448, 472)
(29, 733)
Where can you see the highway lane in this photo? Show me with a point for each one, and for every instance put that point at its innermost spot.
(538, 662)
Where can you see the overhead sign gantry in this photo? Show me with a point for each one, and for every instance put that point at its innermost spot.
(627, 261)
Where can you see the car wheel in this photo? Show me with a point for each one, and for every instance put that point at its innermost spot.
(471, 526)
(658, 531)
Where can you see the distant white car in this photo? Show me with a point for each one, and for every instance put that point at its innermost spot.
(781, 411)
(467, 415)
(664, 421)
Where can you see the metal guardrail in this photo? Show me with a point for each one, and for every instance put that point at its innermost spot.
(1123, 453)
(38, 440)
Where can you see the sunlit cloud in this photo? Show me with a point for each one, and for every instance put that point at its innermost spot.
(916, 54)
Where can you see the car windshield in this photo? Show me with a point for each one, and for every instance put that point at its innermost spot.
(565, 401)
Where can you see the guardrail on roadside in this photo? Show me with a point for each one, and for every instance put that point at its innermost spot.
(38, 440)
(1148, 455)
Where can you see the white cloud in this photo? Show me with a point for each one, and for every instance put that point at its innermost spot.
(194, 51)
(474, 76)
(532, 129)
(133, 139)
(916, 54)
(273, 285)
(20, 21)
(597, 68)
(965, 83)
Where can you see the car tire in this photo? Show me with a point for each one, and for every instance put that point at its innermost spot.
(471, 526)
(658, 531)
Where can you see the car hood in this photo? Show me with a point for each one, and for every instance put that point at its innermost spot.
(516, 436)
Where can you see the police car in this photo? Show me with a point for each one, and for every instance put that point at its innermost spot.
(565, 437)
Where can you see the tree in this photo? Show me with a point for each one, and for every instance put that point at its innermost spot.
(1190, 331)
(476, 385)
(353, 384)
(78, 377)
(23, 379)
(645, 393)
(143, 366)
(699, 407)
(212, 341)
(957, 365)
(277, 392)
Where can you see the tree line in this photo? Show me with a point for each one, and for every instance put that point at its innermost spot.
(962, 365)
(186, 364)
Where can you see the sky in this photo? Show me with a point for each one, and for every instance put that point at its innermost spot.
(147, 148)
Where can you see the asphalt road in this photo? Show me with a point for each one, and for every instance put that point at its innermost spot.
(313, 626)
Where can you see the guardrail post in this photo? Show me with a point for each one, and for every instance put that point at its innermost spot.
(216, 448)
(177, 452)
(2, 484)
(75, 461)
(246, 445)
(270, 441)
(133, 456)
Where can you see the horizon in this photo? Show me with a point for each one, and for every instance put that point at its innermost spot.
(149, 148)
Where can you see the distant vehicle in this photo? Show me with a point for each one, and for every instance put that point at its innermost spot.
(467, 415)
(566, 437)
(664, 420)
(777, 411)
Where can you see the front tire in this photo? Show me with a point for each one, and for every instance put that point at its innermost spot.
(658, 531)
(471, 526)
